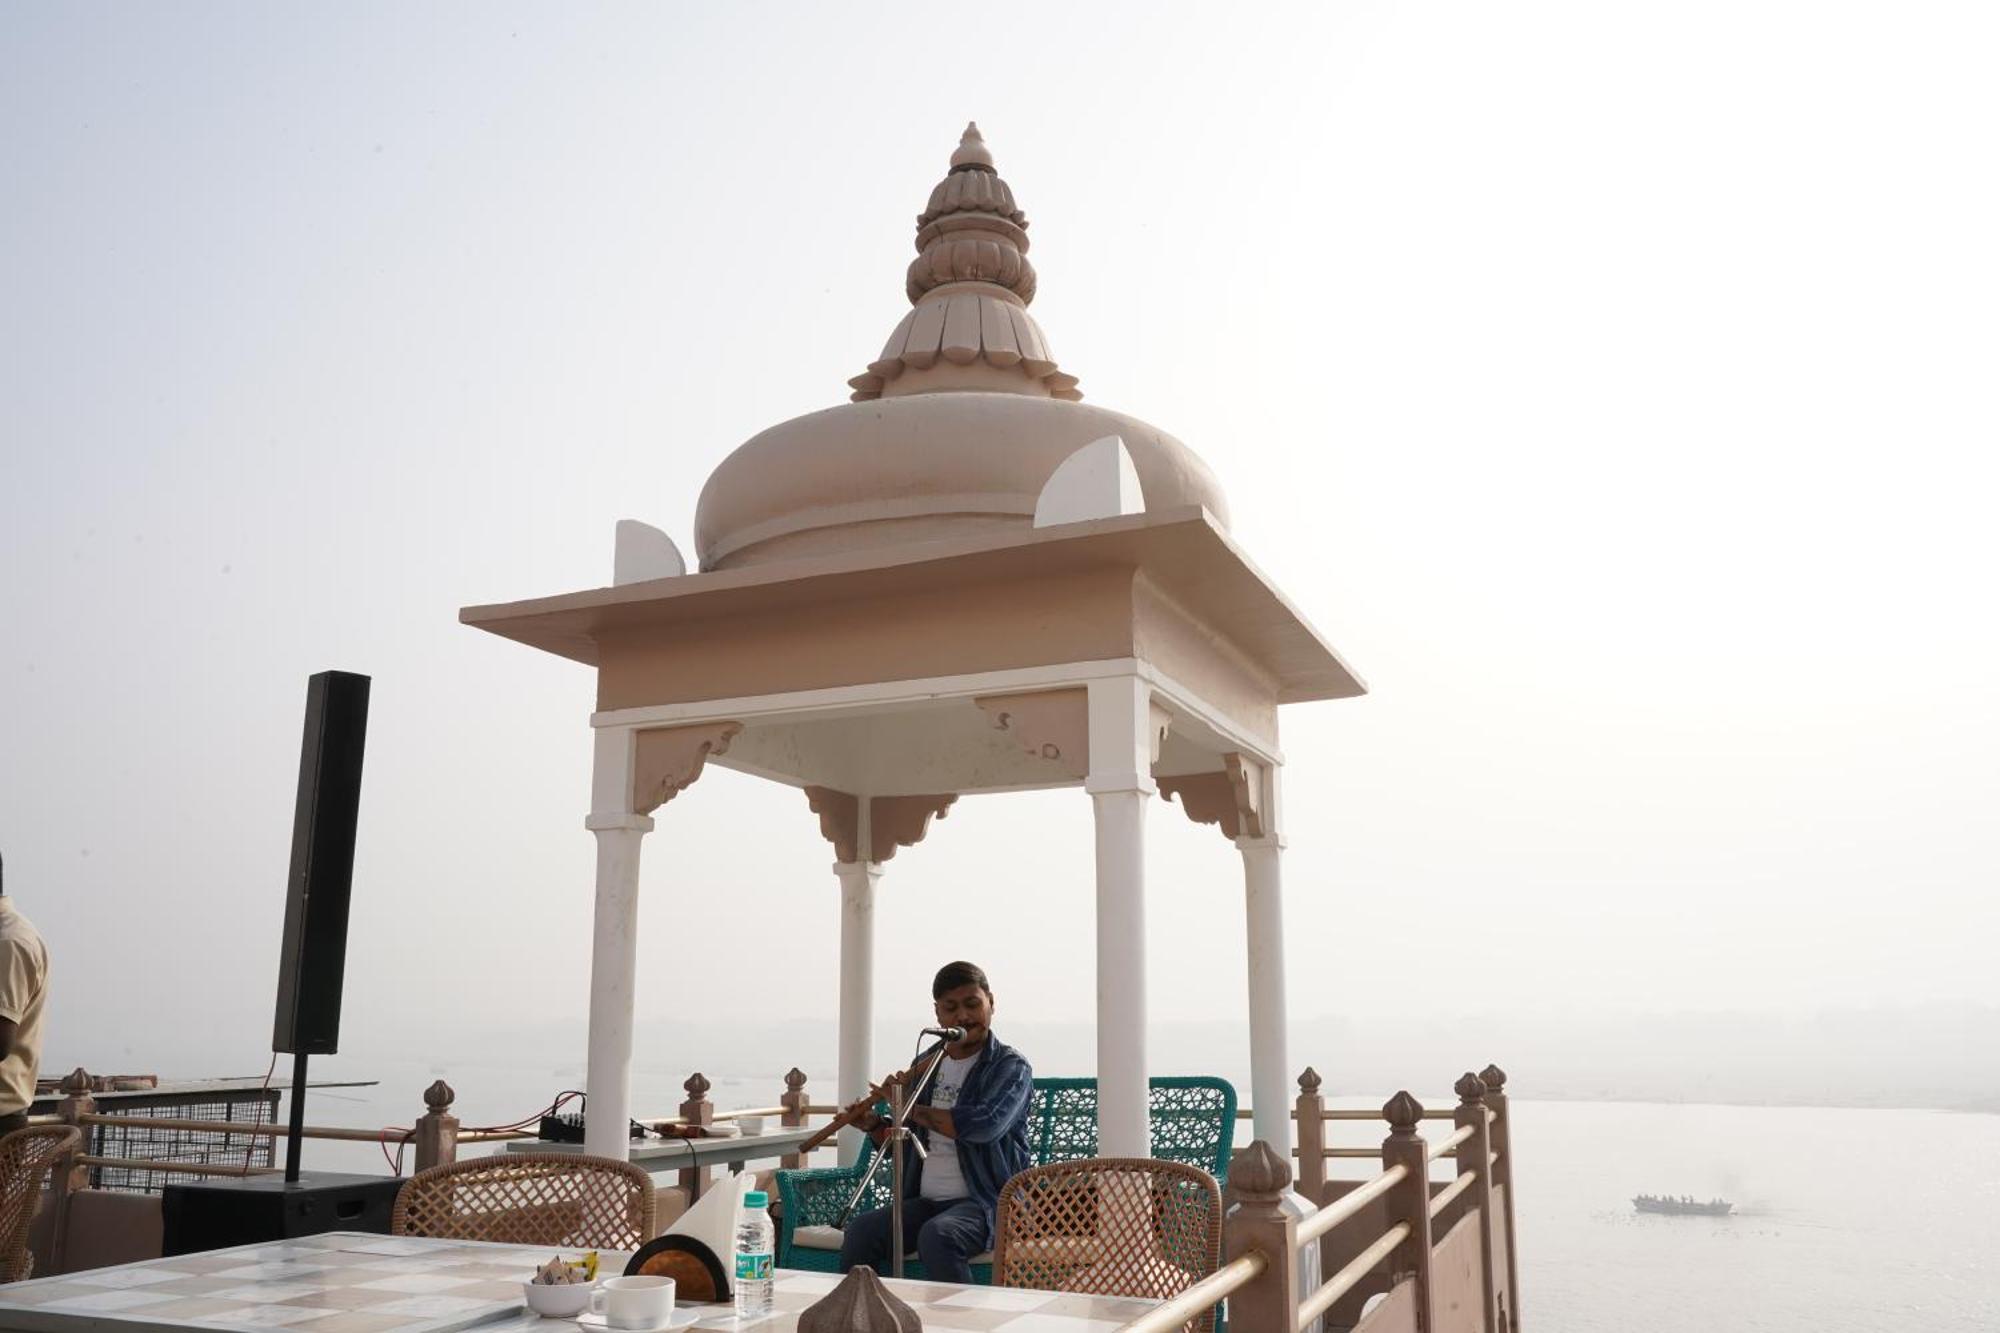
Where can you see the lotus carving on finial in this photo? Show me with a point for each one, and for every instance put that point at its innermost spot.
(1403, 1111)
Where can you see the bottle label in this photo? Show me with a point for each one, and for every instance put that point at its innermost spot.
(753, 1267)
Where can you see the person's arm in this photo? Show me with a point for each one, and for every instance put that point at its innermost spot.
(16, 979)
(1005, 1101)
(935, 1119)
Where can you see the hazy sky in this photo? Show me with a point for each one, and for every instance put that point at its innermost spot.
(1612, 384)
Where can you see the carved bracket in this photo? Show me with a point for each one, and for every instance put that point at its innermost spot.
(902, 821)
(1052, 725)
(1232, 799)
(839, 820)
(669, 759)
(893, 821)
(1159, 723)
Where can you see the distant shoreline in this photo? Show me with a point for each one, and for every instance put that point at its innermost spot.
(1982, 1106)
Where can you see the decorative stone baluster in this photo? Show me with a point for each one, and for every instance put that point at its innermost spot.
(1475, 1155)
(1311, 1112)
(795, 1102)
(1258, 1179)
(1495, 1079)
(1410, 1200)
(436, 1135)
(696, 1110)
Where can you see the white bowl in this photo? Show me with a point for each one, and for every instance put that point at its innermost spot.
(557, 1302)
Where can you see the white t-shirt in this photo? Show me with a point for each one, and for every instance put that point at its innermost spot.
(943, 1180)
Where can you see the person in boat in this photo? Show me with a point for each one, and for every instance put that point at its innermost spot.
(24, 989)
(972, 1119)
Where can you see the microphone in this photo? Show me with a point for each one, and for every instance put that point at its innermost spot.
(949, 1034)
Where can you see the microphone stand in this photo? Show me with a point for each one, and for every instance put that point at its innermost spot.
(898, 1134)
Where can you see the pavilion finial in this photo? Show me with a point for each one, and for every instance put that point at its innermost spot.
(971, 283)
(971, 150)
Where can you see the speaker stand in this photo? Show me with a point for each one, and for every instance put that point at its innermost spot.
(295, 1142)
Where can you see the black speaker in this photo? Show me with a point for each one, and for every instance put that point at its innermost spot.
(314, 956)
(216, 1214)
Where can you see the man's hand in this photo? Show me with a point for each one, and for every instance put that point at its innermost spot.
(934, 1119)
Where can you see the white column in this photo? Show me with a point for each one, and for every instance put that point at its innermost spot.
(1264, 917)
(614, 945)
(1120, 783)
(857, 986)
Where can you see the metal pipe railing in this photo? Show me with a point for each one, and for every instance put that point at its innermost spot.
(1347, 1205)
(1443, 1198)
(1448, 1146)
(187, 1168)
(1346, 1113)
(247, 1129)
(1317, 1304)
(1233, 1276)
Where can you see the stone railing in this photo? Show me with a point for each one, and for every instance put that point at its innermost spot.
(183, 1148)
(1395, 1253)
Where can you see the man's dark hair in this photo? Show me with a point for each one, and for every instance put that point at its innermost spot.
(953, 975)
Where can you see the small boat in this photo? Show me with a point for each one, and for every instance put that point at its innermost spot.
(1682, 1206)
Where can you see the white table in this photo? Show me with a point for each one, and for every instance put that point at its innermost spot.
(351, 1282)
(662, 1155)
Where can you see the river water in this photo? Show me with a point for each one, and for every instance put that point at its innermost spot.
(1847, 1219)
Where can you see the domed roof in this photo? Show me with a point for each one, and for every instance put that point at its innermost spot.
(954, 429)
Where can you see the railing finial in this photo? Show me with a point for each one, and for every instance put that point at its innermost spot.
(1494, 1077)
(1257, 1172)
(77, 1082)
(439, 1096)
(696, 1085)
(1470, 1087)
(1403, 1111)
(1309, 1081)
(796, 1079)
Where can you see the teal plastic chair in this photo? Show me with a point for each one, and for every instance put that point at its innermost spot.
(1193, 1121)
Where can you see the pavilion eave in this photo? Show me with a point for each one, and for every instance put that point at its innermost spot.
(1184, 550)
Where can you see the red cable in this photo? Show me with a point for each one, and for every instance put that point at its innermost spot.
(396, 1162)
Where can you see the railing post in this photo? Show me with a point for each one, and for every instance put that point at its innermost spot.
(795, 1102)
(436, 1134)
(1477, 1151)
(1410, 1200)
(1311, 1111)
(696, 1110)
(68, 1178)
(1258, 1179)
(1495, 1079)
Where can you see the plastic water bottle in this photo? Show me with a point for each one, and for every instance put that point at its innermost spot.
(755, 1284)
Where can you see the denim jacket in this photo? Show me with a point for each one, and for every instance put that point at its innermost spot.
(991, 1117)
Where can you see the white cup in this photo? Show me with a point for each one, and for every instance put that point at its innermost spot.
(751, 1124)
(642, 1301)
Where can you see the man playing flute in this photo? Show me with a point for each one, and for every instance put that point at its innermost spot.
(973, 1122)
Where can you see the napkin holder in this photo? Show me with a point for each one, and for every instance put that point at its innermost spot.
(698, 1250)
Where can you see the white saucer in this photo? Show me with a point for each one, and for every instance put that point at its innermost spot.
(680, 1318)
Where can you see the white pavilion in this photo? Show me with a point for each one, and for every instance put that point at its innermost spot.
(964, 581)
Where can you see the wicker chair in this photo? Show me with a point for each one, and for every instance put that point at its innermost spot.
(1110, 1226)
(561, 1200)
(26, 1156)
